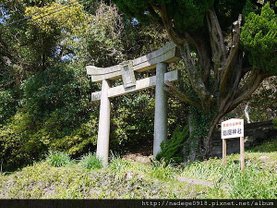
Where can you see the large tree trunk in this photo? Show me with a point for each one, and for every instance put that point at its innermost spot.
(202, 125)
(217, 79)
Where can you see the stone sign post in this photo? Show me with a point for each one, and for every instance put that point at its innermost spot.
(126, 71)
(233, 128)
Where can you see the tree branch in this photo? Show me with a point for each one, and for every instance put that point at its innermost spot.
(224, 101)
(167, 22)
(203, 52)
(226, 75)
(250, 86)
(194, 75)
(216, 39)
(7, 84)
(172, 89)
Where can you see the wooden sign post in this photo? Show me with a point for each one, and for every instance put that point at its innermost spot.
(126, 71)
(233, 128)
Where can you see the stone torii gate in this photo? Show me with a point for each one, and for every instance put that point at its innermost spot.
(158, 59)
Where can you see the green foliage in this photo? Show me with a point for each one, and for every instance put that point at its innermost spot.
(259, 38)
(58, 159)
(275, 122)
(104, 41)
(124, 179)
(7, 105)
(188, 15)
(79, 141)
(55, 32)
(267, 146)
(90, 162)
(258, 180)
(130, 125)
(119, 165)
(57, 100)
(253, 183)
(59, 93)
(112, 38)
(55, 115)
(162, 171)
(69, 18)
(171, 150)
(18, 146)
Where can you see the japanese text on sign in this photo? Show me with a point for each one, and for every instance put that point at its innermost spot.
(232, 128)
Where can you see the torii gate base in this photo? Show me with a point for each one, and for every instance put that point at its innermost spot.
(158, 59)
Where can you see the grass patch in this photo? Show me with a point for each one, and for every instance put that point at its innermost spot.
(119, 165)
(258, 181)
(268, 146)
(162, 171)
(124, 179)
(58, 159)
(90, 162)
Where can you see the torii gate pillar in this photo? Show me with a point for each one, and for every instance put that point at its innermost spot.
(102, 151)
(160, 120)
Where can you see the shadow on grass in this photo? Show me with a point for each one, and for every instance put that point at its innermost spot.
(267, 146)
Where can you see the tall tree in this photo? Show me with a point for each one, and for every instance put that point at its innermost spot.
(228, 47)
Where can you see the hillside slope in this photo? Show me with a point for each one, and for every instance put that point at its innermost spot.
(126, 179)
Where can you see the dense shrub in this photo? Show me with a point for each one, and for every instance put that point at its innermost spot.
(258, 37)
(57, 99)
(18, 146)
(55, 114)
(171, 150)
(58, 96)
(132, 121)
(7, 105)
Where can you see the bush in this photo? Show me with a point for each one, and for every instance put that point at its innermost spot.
(132, 121)
(258, 37)
(90, 162)
(55, 114)
(18, 145)
(58, 96)
(7, 105)
(171, 150)
(58, 159)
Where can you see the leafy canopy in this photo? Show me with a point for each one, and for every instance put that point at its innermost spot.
(186, 14)
(259, 37)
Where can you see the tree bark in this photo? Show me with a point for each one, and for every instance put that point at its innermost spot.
(216, 77)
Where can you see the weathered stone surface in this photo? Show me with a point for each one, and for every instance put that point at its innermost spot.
(160, 120)
(102, 151)
(128, 75)
(157, 59)
(166, 54)
(140, 84)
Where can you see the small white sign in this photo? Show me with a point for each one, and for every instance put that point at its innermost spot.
(232, 128)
